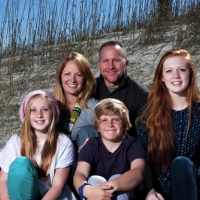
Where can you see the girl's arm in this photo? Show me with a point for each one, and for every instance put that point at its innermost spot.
(3, 185)
(153, 195)
(148, 183)
(59, 181)
(90, 192)
(130, 179)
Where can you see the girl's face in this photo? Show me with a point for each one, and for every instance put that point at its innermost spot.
(111, 128)
(41, 115)
(176, 75)
(72, 79)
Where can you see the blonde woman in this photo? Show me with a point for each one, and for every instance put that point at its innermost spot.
(75, 89)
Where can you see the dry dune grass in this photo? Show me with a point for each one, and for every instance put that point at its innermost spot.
(31, 46)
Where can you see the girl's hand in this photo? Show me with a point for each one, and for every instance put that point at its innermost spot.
(153, 195)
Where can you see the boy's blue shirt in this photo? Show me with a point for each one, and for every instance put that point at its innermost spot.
(104, 163)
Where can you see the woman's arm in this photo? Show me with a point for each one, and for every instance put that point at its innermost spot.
(91, 192)
(3, 185)
(59, 181)
(130, 179)
(85, 118)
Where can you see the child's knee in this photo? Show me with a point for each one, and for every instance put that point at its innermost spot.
(181, 161)
(114, 176)
(22, 167)
(95, 179)
(24, 172)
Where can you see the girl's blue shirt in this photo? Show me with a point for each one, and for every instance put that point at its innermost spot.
(180, 119)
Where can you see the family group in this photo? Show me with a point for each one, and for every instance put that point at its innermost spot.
(107, 137)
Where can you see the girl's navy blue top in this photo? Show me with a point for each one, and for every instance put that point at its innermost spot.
(180, 119)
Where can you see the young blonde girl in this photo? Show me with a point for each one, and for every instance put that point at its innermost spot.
(35, 163)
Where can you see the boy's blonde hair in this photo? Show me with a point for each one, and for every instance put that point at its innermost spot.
(111, 107)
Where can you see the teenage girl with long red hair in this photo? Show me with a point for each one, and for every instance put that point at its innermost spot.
(169, 128)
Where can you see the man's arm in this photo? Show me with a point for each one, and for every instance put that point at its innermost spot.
(90, 192)
(130, 179)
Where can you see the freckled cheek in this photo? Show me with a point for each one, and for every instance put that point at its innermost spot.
(64, 80)
(81, 83)
(187, 81)
(166, 78)
(32, 115)
(187, 77)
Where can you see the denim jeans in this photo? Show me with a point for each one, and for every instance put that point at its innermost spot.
(184, 177)
(85, 132)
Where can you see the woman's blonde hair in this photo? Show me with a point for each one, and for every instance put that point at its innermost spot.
(110, 106)
(89, 87)
(29, 146)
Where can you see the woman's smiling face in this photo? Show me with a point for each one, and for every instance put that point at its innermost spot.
(176, 75)
(72, 80)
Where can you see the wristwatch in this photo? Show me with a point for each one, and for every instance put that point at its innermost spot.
(80, 190)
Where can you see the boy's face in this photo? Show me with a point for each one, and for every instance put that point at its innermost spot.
(111, 128)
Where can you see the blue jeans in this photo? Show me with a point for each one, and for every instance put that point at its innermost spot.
(184, 177)
(22, 180)
(85, 132)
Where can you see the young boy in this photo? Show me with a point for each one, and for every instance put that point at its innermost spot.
(116, 159)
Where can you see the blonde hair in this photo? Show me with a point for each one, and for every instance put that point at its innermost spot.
(89, 87)
(27, 136)
(111, 107)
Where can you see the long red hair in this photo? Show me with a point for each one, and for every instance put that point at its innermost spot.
(157, 116)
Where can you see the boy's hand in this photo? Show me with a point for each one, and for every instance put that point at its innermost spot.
(97, 192)
(111, 188)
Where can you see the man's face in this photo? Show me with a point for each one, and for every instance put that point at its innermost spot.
(112, 65)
